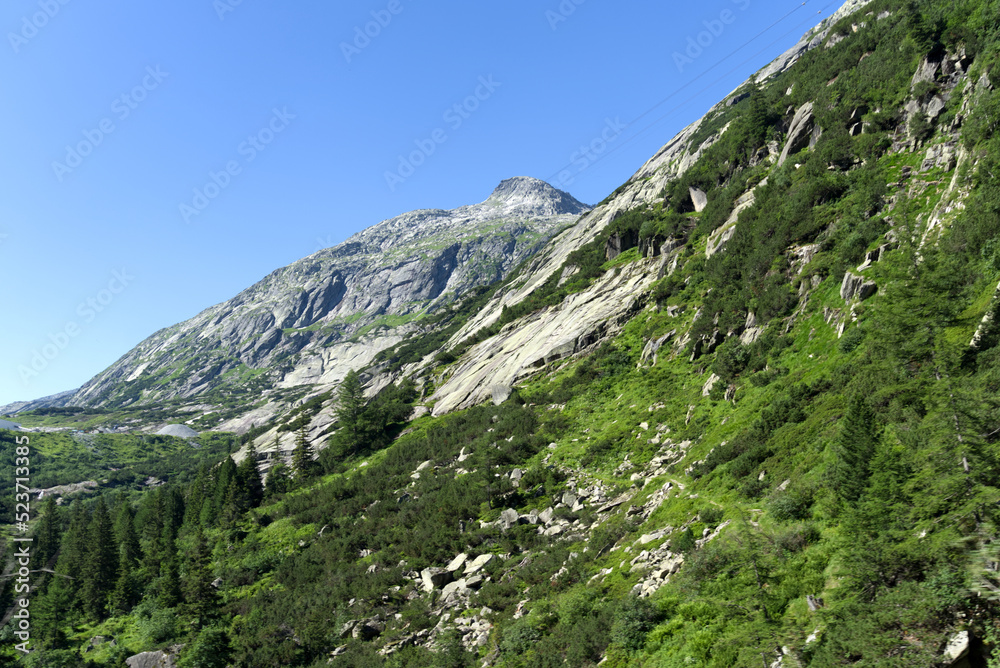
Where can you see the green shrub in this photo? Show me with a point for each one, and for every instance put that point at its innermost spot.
(633, 619)
(789, 506)
(711, 516)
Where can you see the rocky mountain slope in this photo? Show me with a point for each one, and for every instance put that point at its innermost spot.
(307, 324)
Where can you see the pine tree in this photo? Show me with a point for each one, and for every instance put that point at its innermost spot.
(250, 489)
(168, 586)
(278, 481)
(198, 491)
(59, 605)
(48, 534)
(854, 449)
(880, 523)
(302, 457)
(200, 597)
(100, 562)
(225, 475)
(351, 411)
(126, 536)
(128, 585)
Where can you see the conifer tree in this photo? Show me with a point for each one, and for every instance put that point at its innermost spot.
(225, 475)
(853, 449)
(198, 491)
(200, 598)
(278, 480)
(351, 411)
(168, 585)
(880, 523)
(100, 562)
(249, 488)
(302, 459)
(128, 584)
(126, 536)
(48, 534)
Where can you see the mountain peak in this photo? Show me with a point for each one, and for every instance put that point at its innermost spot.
(525, 192)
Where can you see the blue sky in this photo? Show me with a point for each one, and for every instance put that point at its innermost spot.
(157, 159)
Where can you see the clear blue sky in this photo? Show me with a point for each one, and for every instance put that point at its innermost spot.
(153, 99)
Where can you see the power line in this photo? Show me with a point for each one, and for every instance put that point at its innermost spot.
(679, 90)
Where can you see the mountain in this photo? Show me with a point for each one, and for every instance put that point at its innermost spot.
(307, 324)
(744, 412)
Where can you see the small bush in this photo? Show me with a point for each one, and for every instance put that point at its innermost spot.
(711, 516)
(851, 340)
(788, 507)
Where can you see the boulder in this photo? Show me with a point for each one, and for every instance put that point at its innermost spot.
(545, 517)
(709, 384)
(554, 530)
(873, 256)
(649, 352)
(454, 590)
(508, 518)
(698, 199)
(478, 563)
(158, 659)
(368, 629)
(457, 563)
(435, 578)
(346, 629)
(957, 648)
(800, 133)
(856, 287)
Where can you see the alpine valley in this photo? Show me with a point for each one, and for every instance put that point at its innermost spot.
(742, 412)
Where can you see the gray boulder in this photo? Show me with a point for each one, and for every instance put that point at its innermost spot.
(800, 134)
(457, 562)
(508, 518)
(368, 629)
(698, 199)
(856, 287)
(478, 564)
(435, 578)
(158, 659)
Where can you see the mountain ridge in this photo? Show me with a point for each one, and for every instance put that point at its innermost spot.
(309, 322)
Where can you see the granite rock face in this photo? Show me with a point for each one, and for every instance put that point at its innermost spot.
(311, 322)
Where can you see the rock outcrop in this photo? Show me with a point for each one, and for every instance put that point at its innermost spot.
(522, 347)
(856, 287)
